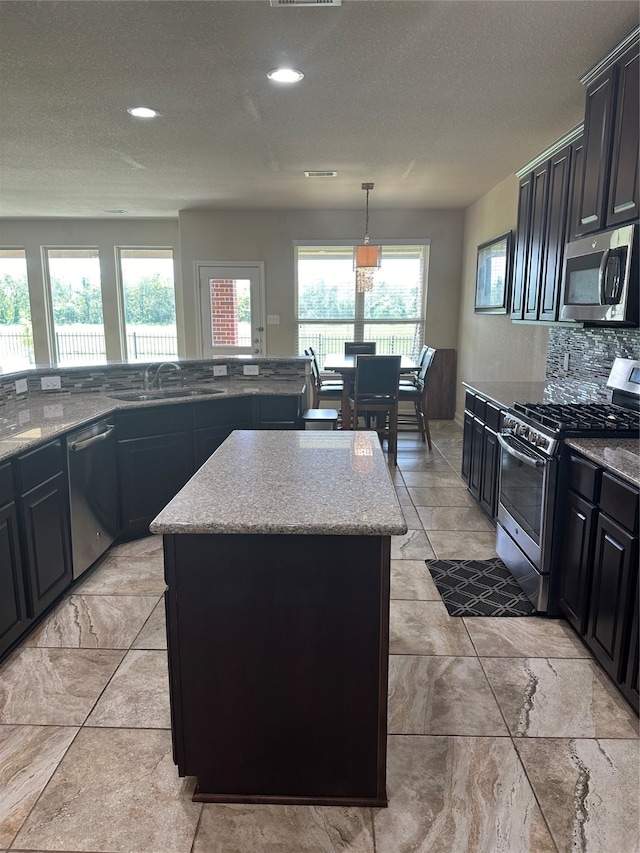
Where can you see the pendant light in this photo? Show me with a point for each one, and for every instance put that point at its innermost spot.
(366, 257)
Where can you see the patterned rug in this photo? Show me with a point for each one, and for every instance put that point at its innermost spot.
(479, 588)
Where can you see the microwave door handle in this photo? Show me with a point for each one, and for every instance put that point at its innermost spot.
(602, 275)
(528, 460)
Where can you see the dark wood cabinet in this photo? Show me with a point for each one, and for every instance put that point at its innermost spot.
(215, 420)
(609, 187)
(152, 471)
(481, 451)
(624, 202)
(577, 560)
(521, 254)
(612, 586)
(537, 230)
(541, 235)
(155, 460)
(599, 583)
(13, 611)
(278, 412)
(43, 514)
(555, 235)
(45, 526)
(575, 182)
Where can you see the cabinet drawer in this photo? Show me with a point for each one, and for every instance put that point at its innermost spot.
(479, 408)
(6, 484)
(39, 465)
(160, 420)
(469, 397)
(619, 501)
(492, 416)
(584, 478)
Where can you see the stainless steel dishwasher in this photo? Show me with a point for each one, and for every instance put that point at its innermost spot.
(93, 495)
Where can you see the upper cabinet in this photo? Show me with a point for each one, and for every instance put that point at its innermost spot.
(586, 182)
(609, 190)
(544, 206)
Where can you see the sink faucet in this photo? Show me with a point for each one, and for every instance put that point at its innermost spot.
(149, 383)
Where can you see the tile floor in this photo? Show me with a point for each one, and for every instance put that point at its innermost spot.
(503, 733)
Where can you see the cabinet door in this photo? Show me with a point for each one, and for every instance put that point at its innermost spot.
(152, 471)
(13, 612)
(467, 441)
(475, 480)
(489, 480)
(575, 187)
(45, 522)
(577, 560)
(278, 412)
(610, 613)
(598, 125)
(630, 685)
(206, 441)
(537, 233)
(521, 255)
(623, 205)
(555, 237)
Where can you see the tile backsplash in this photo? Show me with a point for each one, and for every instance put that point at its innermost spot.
(591, 354)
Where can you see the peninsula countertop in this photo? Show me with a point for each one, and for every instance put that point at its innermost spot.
(37, 418)
(292, 482)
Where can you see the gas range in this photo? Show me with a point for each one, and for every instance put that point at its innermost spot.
(545, 425)
(533, 475)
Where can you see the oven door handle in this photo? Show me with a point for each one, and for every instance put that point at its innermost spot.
(511, 450)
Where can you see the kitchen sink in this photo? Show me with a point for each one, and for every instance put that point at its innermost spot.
(168, 394)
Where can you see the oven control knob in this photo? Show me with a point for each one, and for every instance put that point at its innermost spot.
(521, 429)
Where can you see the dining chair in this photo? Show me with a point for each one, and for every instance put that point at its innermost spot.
(416, 393)
(359, 347)
(408, 381)
(323, 389)
(376, 392)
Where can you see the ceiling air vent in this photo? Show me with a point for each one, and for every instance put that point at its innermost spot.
(282, 3)
(321, 174)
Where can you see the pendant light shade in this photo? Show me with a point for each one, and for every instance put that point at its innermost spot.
(366, 257)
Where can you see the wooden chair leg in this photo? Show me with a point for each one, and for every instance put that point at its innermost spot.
(420, 419)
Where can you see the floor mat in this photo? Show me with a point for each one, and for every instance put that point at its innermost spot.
(479, 588)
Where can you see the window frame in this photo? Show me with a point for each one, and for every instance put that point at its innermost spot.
(359, 321)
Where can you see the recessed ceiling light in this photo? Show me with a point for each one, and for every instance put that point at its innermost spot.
(285, 75)
(143, 112)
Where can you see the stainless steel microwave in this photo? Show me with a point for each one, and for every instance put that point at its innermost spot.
(600, 280)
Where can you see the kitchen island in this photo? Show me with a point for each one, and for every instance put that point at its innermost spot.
(277, 557)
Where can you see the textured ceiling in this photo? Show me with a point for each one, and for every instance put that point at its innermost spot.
(436, 102)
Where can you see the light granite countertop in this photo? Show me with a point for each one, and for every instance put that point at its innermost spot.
(621, 456)
(294, 482)
(40, 417)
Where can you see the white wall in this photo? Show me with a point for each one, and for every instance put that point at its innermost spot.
(210, 235)
(490, 346)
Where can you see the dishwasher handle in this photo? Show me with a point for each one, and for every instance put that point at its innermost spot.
(78, 446)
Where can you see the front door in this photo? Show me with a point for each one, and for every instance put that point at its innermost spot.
(231, 299)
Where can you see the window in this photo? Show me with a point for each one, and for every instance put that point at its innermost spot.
(330, 311)
(149, 303)
(16, 341)
(76, 300)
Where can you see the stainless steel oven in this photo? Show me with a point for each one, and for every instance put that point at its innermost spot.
(526, 508)
(530, 513)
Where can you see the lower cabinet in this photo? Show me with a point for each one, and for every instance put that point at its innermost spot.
(599, 584)
(43, 512)
(214, 420)
(13, 612)
(152, 471)
(481, 451)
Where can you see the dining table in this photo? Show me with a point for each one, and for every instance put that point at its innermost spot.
(345, 365)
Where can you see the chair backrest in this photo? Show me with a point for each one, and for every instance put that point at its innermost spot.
(427, 361)
(359, 347)
(423, 352)
(377, 375)
(315, 370)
